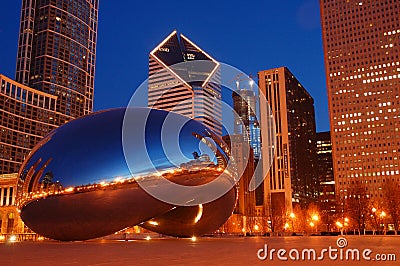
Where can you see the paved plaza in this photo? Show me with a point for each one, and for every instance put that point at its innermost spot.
(202, 251)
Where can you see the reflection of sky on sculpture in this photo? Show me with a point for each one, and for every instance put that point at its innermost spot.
(77, 158)
(89, 150)
(164, 148)
(177, 151)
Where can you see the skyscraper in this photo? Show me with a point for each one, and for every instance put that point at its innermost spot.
(54, 73)
(292, 175)
(57, 51)
(326, 180)
(361, 52)
(246, 124)
(192, 90)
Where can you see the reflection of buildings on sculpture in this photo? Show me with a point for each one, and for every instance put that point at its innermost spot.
(10, 222)
(244, 219)
(198, 162)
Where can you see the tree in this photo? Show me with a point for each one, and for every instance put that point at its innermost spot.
(357, 206)
(391, 192)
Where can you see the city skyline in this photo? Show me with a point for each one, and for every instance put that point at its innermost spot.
(244, 45)
(323, 173)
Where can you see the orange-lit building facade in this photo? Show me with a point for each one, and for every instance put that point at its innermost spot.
(10, 221)
(361, 52)
(26, 115)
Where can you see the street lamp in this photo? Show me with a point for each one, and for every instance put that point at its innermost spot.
(315, 218)
(346, 221)
(383, 215)
(340, 226)
(374, 216)
(292, 216)
(286, 226)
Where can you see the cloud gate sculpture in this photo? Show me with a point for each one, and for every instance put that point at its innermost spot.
(107, 171)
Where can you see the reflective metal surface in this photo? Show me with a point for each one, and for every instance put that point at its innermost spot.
(76, 184)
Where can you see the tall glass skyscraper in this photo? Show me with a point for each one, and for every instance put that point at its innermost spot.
(190, 89)
(57, 51)
(246, 123)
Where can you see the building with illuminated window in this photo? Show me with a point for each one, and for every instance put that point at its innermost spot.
(361, 52)
(326, 180)
(57, 51)
(246, 124)
(292, 176)
(26, 115)
(54, 84)
(54, 75)
(10, 222)
(185, 79)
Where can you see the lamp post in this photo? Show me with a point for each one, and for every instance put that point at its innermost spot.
(383, 215)
(374, 216)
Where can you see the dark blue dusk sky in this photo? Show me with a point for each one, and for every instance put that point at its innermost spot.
(250, 35)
